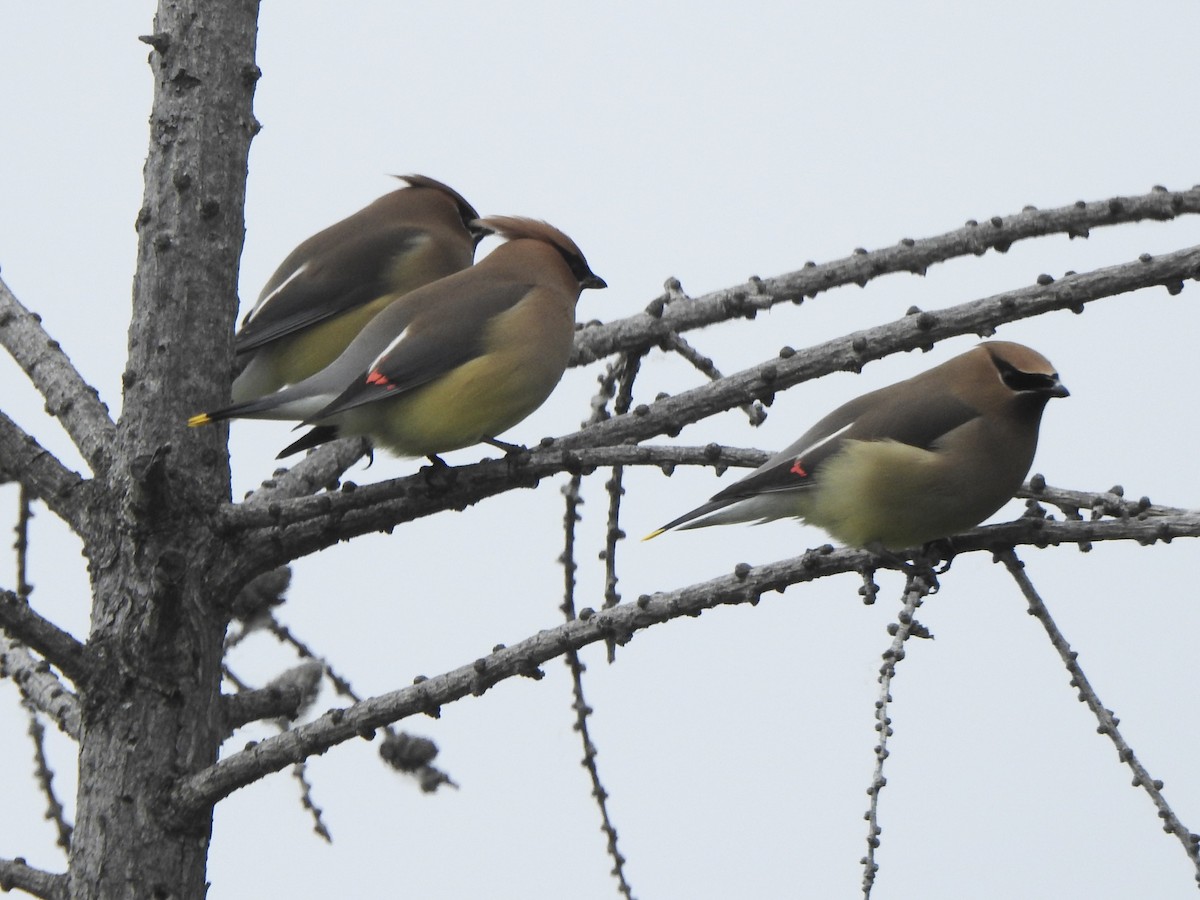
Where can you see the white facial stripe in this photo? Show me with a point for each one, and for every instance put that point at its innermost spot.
(388, 349)
(258, 307)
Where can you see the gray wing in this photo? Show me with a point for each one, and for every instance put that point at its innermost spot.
(451, 334)
(919, 420)
(322, 291)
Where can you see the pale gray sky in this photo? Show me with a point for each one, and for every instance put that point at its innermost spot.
(707, 143)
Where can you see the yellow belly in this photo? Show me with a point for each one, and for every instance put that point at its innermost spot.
(481, 399)
(295, 357)
(883, 492)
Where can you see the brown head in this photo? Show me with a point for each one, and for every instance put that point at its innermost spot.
(518, 228)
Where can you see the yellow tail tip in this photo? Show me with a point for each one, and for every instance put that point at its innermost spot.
(199, 419)
(655, 533)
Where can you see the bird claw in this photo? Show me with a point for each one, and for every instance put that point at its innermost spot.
(509, 449)
(920, 568)
(924, 562)
(941, 549)
(515, 456)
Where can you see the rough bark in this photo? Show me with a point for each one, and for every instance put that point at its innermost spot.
(167, 552)
(151, 709)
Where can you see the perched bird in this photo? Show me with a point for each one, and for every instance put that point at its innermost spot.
(906, 464)
(453, 363)
(335, 282)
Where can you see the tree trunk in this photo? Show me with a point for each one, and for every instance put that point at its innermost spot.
(151, 708)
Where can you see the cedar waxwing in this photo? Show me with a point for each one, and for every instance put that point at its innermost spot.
(453, 363)
(898, 467)
(335, 282)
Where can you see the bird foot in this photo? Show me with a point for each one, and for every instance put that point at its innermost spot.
(439, 476)
(515, 456)
(510, 449)
(919, 566)
(938, 550)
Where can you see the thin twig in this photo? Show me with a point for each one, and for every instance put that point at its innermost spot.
(58, 647)
(1103, 503)
(21, 545)
(74, 402)
(300, 773)
(626, 371)
(282, 699)
(998, 233)
(39, 686)
(906, 625)
(612, 535)
(746, 584)
(917, 330)
(319, 470)
(571, 517)
(1108, 722)
(676, 343)
(322, 521)
(45, 779)
(415, 494)
(24, 460)
(428, 776)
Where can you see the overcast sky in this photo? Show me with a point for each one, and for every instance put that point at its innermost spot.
(707, 142)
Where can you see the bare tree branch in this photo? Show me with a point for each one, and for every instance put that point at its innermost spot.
(39, 686)
(918, 330)
(676, 344)
(284, 697)
(1106, 503)
(21, 544)
(300, 773)
(16, 874)
(316, 472)
(58, 647)
(461, 489)
(746, 584)
(412, 755)
(45, 778)
(620, 371)
(70, 399)
(23, 459)
(303, 526)
(906, 626)
(287, 530)
(666, 316)
(1108, 722)
(157, 620)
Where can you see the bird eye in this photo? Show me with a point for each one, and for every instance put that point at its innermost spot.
(1020, 382)
(579, 268)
